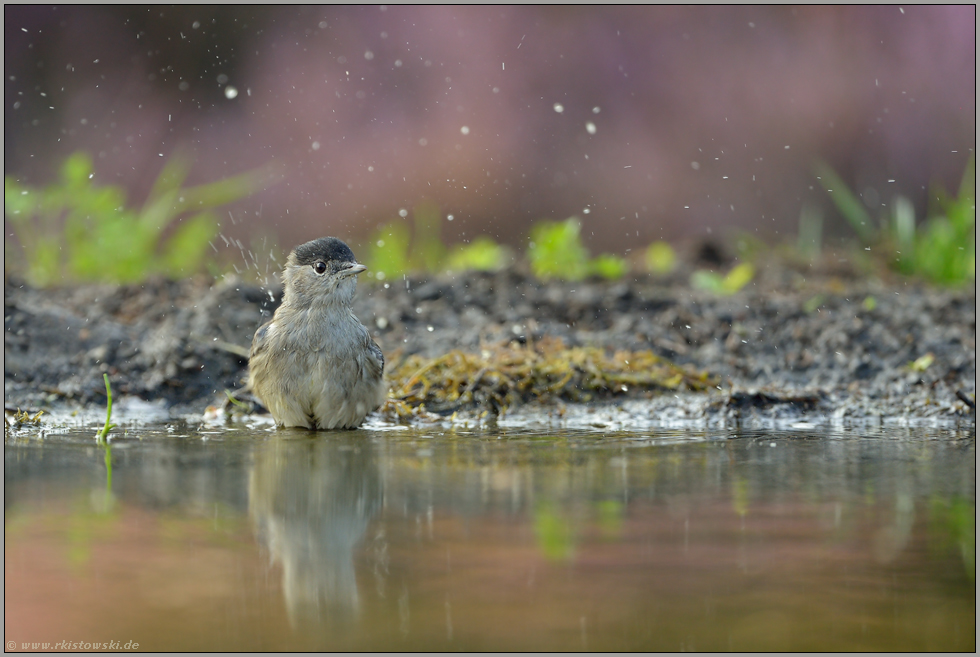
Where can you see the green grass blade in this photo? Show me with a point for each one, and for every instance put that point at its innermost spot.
(849, 205)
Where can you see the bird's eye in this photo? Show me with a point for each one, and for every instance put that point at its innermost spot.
(320, 267)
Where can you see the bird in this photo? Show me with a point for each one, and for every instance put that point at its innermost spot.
(314, 365)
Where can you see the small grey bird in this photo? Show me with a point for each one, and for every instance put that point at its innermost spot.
(314, 364)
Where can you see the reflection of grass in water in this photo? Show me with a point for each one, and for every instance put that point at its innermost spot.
(221, 528)
(546, 370)
(610, 518)
(554, 533)
(952, 524)
(740, 495)
(94, 519)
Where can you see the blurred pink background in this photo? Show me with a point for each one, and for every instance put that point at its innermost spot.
(674, 121)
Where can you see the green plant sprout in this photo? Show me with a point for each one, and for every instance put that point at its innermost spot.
(609, 266)
(739, 276)
(660, 258)
(77, 229)
(847, 203)
(104, 433)
(556, 251)
(813, 303)
(809, 239)
(482, 254)
(395, 250)
(941, 249)
(234, 400)
(922, 363)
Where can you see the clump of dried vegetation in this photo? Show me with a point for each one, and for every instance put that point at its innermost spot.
(502, 375)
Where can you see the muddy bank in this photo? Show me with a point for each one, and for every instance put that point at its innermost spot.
(795, 343)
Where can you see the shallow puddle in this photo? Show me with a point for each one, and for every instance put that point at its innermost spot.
(187, 538)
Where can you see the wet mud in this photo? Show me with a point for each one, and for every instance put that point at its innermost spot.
(797, 343)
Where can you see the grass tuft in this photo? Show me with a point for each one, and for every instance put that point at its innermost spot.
(941, 249)
(76, 229)
(104, 433)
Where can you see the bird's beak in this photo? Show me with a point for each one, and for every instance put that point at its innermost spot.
(353, 270)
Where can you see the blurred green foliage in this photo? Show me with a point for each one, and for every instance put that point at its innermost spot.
(609, 266)
(482, 254)
(941, 249)
(739, 276)
(660, 258)
(388, 254)
(809, 240)
(394, 249)
(556, 251)
(813, 303)
(77, 230)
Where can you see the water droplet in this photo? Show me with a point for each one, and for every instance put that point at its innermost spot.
(230, 92)
(559, 108)
(369, 55)
(315, 145)
(465, 130)
(590, 127)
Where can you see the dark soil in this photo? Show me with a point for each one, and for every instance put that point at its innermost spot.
(804, 339)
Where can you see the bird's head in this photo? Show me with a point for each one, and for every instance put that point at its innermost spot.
(321, 272)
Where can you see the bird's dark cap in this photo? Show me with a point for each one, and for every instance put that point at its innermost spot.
(326, 248)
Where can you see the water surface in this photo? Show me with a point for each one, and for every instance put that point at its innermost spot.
(182, 537)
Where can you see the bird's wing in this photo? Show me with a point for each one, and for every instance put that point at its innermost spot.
(259, 342)
(376, 357)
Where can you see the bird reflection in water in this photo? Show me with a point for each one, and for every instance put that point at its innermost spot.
(310, 500)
